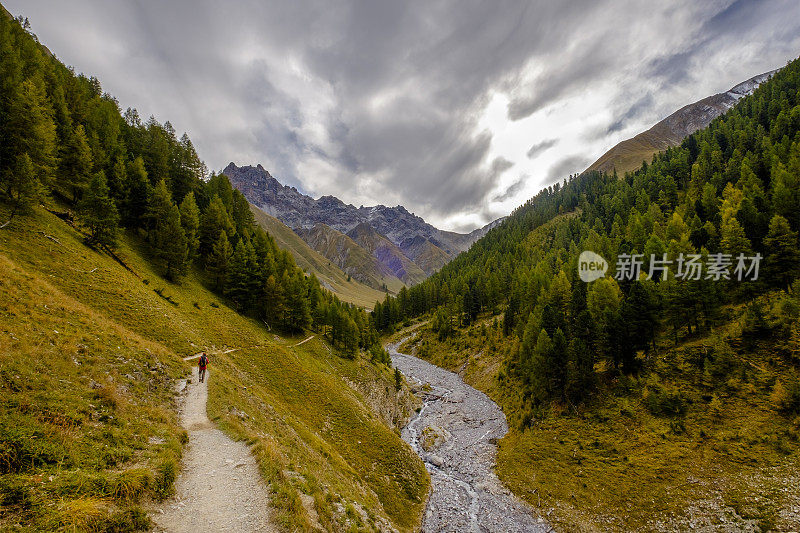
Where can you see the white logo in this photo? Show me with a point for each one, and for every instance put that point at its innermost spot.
(591, 266)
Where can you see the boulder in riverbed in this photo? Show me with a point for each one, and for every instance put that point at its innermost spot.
(435, 460)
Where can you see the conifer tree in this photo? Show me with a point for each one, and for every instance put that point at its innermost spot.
(22, 188)
(118, 179)
(272, 300)
(99, 213)
(27, 128)
(783, 255)
(76, 162)
(187, 169)
(214, 219)
(136, 195)
(733, 238)
(218, 259)
(166, 235)
(158, 208)
(190, 220)
(540, 367)
(169, 244)
(238, 275)
(298, 314)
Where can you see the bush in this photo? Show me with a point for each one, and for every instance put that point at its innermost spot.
(786, 395)
(722, 360)
(379, 355)
(132, 519)
(15, 492)
(663, 402)
(755, 324)
(166, 473)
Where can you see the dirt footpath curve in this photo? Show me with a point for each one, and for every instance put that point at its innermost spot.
(219, 487)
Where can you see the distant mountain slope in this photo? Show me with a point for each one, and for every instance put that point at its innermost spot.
(354, 260)
(387, 253)
(421, 243)
(329, 274)
(629, 154)
(427, 255)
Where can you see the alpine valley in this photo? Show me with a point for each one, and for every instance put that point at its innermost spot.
(365, 371)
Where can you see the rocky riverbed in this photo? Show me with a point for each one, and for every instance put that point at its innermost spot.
(455, 433)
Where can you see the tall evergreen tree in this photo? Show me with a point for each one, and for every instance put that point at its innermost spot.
(76, 162)
(136, 196)
(218, 260)
(190, 220)
(167, 237)
(783, 254)
(28, 128)
(214, 219)
(22, 188)
(298, 314)
(99, 213)
(169, 245)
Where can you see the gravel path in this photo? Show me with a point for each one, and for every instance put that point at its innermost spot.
(219, 487)
(460, 426)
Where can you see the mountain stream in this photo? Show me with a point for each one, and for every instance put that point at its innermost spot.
(455, 434)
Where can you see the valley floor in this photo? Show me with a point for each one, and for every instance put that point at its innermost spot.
(455, 433)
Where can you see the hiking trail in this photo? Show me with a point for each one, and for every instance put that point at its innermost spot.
(219, 487)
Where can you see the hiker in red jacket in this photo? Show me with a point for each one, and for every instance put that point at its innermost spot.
(202, 363)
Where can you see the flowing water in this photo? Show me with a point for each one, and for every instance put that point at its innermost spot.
(467, 496)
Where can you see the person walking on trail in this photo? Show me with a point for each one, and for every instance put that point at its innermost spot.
(202, 363)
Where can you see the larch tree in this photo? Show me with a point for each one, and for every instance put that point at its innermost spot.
(169, 245)
(218, 260)
(190, 220)
(98, 213)
(76, 162)
(783, 255)
(28, 129)
(22, 187)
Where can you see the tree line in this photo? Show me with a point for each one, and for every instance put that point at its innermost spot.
(732, 188)
(63, 139)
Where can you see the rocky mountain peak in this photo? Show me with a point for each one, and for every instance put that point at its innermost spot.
(395, 224)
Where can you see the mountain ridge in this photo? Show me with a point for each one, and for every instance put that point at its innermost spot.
(414, 245)
(628, 155)
(348, 255)
(330, 275)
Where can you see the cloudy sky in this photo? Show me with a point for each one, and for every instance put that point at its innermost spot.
(459, 110)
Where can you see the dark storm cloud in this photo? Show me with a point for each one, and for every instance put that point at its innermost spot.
(512, 189)
(741, 26)
(381, 101)
(540, 147)
(565, 167)
(642, 105)
(573, 76)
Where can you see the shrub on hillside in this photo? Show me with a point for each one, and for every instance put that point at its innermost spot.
(786, 394)
(663, 401)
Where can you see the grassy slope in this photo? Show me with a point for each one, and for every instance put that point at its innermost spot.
(351, 258)
(628, 155)
(313, 433)
(330, 275)
(429, 257)
(387, 253)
